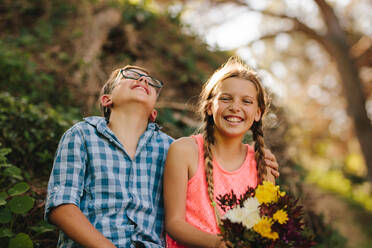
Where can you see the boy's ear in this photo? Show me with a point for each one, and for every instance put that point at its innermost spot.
(106, 100)
(153, 115)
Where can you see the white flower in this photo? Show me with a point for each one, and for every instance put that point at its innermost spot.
(235, 215)
(251, 212)
(248, 215)
(251, 203)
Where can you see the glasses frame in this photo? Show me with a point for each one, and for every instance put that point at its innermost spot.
(157, 87)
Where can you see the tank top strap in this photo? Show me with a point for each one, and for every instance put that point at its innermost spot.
(200, 142)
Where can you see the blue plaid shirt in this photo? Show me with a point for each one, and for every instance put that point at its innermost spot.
(121, 197)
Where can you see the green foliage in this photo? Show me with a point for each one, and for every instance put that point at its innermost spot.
(15, 203)
(21, 204)
(331, 238)
(29, 23)
(19, 76)
(18, 189)
(325, 235)
(136, 14)
(33, 132)
(5, 215)
(331, 180)
(21, 240)
(43, 227)
(172, 123)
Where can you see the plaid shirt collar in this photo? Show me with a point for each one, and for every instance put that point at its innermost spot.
(101, 126)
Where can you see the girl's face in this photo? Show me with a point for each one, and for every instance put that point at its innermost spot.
(234, 107)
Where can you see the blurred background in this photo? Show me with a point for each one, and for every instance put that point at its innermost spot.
(314, 58)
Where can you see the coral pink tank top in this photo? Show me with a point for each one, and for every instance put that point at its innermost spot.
(199, 211)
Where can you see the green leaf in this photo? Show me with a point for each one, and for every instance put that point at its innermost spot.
(3, 153)
(43, 227)
(21, 240)
(21, 204)
(5, 215)
(13, 172)
(18, 189)
(5, 233)
(3, 196)
(5, 165)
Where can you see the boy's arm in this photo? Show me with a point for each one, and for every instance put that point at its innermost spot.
(272, 166)
(65, 189)
(73, 223)
(175, 188)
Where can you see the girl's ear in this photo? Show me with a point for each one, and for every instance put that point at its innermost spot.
(209, 109)
(257, 117)
(153, 115)
(106, 100)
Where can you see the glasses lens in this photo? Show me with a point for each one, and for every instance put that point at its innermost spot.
(131, 74)
(157, 84)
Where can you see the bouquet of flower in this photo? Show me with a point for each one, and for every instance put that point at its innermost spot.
(263, 217)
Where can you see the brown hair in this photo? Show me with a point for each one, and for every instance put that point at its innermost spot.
(111, 83)
(234, 67)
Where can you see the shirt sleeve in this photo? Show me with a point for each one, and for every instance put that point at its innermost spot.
(66, 180)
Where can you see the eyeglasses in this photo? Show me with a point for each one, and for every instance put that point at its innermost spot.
(128, 73)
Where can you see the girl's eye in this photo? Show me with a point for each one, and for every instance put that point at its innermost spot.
(225, 99)
(247, 101)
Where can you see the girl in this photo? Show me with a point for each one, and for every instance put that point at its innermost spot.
(213, 163)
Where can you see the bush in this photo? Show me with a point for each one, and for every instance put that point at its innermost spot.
(17, 226)
(32, 131)
(19, 76)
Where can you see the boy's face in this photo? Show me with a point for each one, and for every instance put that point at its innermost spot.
(135, 85)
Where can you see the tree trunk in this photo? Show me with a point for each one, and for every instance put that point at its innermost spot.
(88, 77)
(339, 49)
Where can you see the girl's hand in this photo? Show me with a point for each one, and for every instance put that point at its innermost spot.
(224, 244)
(271, 163)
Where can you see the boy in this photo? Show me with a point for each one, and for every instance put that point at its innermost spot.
(105, 189)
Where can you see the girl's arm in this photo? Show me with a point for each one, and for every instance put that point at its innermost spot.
(180, 157)
(74, 224)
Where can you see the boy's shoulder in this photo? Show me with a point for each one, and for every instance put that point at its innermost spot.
(160, 135)
(88, 124)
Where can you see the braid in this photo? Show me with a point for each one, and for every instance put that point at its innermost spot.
(234, 67)
(208, 158)
(259, 149)
(208, 161)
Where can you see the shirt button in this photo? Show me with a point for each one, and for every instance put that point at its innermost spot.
(55, 188)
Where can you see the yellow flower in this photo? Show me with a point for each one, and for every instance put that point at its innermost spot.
(281, 216)
(267, 192)
(273, 235)
(264, 228)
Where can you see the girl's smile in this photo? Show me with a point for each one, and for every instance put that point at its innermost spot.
(233, 119)
(234, 107)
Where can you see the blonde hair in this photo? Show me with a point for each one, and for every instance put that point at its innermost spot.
(234, 67)
(111, 83)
